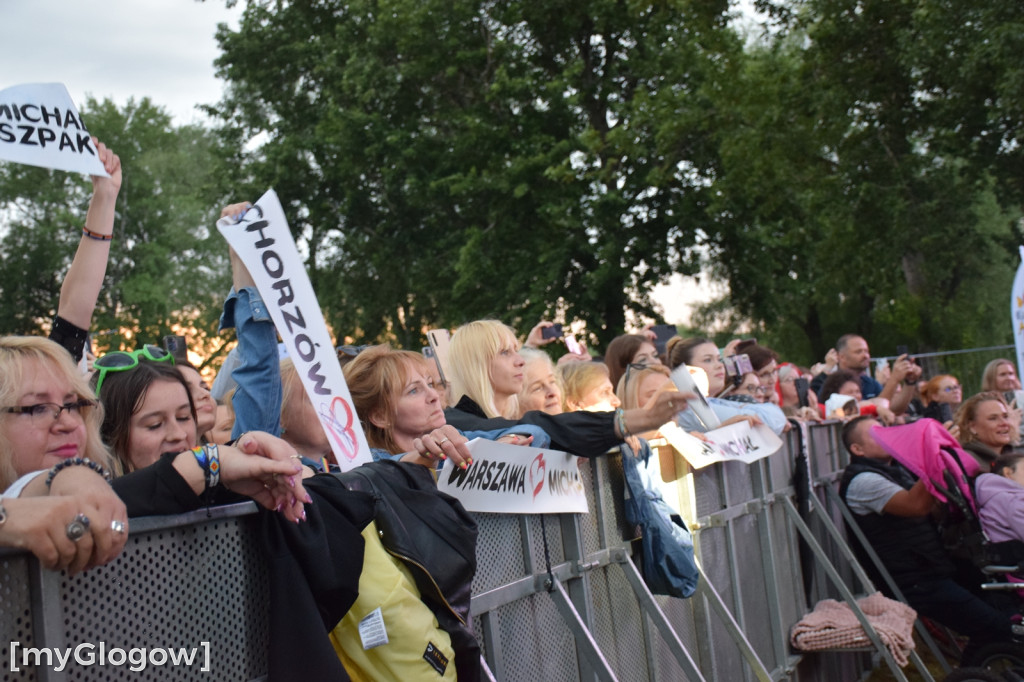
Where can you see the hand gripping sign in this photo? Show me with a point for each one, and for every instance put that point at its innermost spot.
(264, 242)
(40, 126)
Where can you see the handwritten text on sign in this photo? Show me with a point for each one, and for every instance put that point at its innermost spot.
(735, 442)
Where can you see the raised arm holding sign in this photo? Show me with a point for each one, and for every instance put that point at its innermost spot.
(264, 242)
(82, 284)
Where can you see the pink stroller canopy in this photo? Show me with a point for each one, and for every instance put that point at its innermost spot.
(927, 449)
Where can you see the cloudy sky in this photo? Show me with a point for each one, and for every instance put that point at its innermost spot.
(161, 49)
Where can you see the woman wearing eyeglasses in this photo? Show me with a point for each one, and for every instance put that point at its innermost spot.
(942, 396)
(56, 502)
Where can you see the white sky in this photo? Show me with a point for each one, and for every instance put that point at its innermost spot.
(161, 49)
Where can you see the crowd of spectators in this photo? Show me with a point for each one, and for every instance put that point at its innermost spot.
(140, 433)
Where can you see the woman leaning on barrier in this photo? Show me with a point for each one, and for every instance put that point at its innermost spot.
(487, 376)
(700, 352)
(53, 462)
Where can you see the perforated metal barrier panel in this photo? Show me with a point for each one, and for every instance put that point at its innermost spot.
(194, 588)
(555, 596)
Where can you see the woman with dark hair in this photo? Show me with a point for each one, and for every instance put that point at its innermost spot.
(702, 353)
(148, 408)
(765, 363)
(844, 382)
(206, 406)
(626, 350)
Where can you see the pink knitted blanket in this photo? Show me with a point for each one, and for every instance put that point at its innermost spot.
(833, 625)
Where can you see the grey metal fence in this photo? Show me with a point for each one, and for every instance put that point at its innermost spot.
(556, 597)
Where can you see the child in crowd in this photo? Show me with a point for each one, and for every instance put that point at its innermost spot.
(1000, 498)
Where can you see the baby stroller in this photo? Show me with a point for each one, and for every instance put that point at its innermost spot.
(930, 452)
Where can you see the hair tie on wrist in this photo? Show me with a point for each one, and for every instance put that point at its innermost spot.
(86, 232)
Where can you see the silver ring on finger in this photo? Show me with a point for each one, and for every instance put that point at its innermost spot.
(117, 526)
(78, 527)
(442, 441)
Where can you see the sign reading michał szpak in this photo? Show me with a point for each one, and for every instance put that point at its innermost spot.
(40, 126)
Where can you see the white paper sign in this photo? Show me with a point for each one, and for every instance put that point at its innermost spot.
(686, 379)
(513, 479)
(265, 244)
(739, 441)
(40, 126)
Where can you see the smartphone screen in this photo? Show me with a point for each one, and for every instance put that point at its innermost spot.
(802, 386)
(662, 333)
(573, 345)
(552, 332)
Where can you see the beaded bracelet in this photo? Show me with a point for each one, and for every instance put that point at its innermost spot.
(76, 461)
(213, 470)
(86, 232)
(200, 455)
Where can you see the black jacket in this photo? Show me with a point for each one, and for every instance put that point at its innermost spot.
(313, 566)
(909, 546)
(586, 434)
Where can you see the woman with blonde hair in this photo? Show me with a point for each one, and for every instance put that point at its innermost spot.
(587, 387)
(50, 438)
(986, 427)
(39, 368)
(487, 368)
(640, 383)
(1000, 375)
(488, 375)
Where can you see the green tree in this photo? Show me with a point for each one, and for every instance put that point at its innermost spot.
(168, 266)
(842, 204)
(444, 161)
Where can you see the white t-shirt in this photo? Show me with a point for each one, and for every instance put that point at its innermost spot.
(870, 492)
(19, 485)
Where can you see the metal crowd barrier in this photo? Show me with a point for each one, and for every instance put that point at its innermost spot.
(556, 597)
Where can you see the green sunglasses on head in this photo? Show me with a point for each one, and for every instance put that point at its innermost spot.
(122, 361)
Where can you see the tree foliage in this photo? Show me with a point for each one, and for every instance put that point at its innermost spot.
(446, 161)
(857, 167)
(858, 187)
(168, 267)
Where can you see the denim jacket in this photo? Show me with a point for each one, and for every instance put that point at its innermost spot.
(257, 400)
